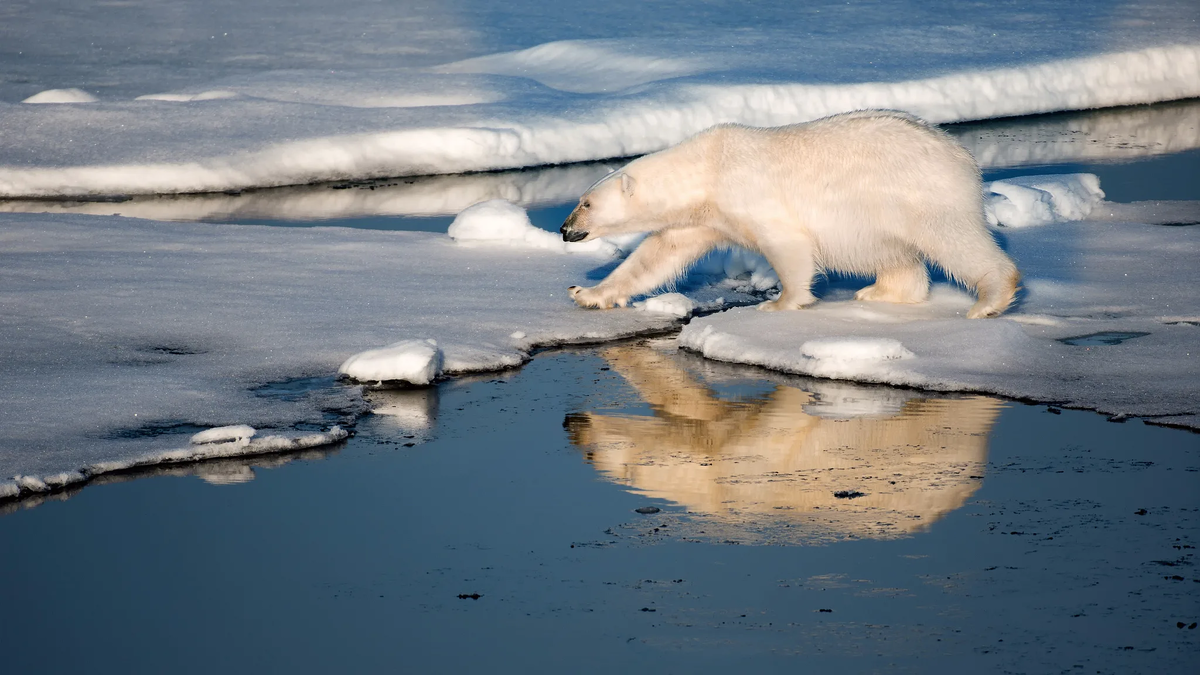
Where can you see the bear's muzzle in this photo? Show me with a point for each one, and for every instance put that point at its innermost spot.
(569, 233)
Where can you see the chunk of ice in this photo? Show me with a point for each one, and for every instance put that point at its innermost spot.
(414, 361)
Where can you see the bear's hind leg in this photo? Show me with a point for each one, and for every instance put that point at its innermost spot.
(973, 258)
(909, 284)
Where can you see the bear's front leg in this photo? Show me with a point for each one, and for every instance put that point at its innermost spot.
(661, 257)
(596, 297)
(792, 259)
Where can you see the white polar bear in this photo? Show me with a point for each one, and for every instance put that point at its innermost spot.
(874, 192)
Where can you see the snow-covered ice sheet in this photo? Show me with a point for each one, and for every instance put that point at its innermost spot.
(1111, 135)
(194, 96)
(1131, 287)
(121, 338)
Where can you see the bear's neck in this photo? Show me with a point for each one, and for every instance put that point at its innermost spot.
(678, 180)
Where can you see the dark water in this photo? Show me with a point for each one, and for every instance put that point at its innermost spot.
(989, 536)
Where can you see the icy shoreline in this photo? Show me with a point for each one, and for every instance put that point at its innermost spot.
(120, 335)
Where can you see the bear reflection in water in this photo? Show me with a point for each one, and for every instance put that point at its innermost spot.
(833, 459)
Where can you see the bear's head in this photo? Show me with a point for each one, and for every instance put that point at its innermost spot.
(604, 210)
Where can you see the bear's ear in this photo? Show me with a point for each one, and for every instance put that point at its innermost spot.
(627, 184)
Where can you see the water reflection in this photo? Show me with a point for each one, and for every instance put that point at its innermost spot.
(825, 459)
(1108, 135)
(1115, 134)
(229, 471)
(417, 197)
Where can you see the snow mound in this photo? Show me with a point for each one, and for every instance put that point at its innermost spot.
(675, 304)
(582, 66)
(498, 221)
(240, 433)
(61, 96)
(1026, 201)
(414, 361)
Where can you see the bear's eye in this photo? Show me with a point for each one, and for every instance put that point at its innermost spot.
(586, 204)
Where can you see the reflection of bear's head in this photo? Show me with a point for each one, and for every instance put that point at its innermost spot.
(604, 210)
(828, 459)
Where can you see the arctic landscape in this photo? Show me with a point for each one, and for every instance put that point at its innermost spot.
(237, 234)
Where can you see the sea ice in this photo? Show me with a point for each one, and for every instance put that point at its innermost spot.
(469, 92)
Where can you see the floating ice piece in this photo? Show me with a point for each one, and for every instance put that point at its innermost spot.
(675, 304)
(239, 433)
(414, 361)
(61, 96)
(1025, 201)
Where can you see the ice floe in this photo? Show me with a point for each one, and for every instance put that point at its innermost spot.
(122, 338)
(1081, 278)
(468, 94)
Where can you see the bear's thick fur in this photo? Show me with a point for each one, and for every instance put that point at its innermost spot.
(873, 192)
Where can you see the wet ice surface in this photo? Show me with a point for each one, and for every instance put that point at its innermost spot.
(990, 536)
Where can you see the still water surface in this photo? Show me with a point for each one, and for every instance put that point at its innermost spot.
(800, 524)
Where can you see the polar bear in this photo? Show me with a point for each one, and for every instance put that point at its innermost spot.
(874, 192)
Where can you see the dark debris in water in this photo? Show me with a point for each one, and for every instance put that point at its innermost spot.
(1106, 338)
(469, 596)
(647, 510)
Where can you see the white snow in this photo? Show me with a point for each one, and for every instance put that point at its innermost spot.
(675, 304)
(416, 362)
(239, 433)
(61, 96)
(466, 90)
(1040, 200)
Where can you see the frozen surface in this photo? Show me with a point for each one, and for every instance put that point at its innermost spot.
(195, 97)
(1080, 278)
(120, 338)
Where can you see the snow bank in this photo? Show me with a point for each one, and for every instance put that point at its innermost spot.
(1041, 200)
(416, 362)
(1113, 134)
(61, 96)
(486, 99)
